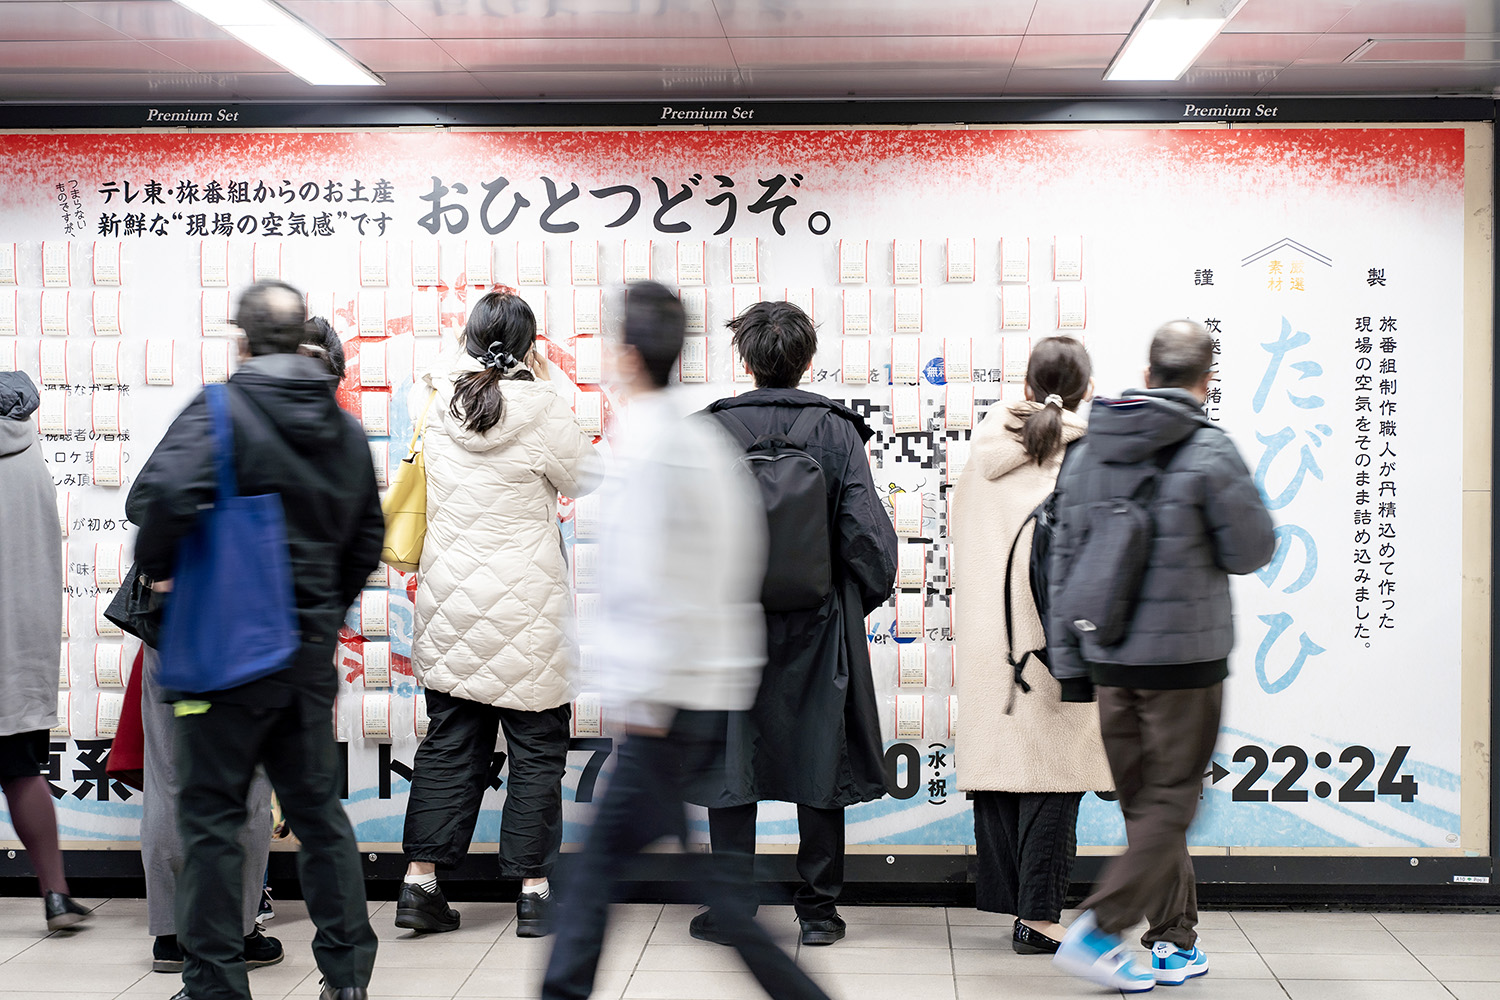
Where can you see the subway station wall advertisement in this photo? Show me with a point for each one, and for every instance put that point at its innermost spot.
(1327, 263)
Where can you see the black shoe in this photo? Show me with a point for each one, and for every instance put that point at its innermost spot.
(266, 912)
(63, 912)
(819, 932)
(261, 951)
(343, 993)
(1028, 941)
(166, 954)
(533, 915)
(424, 912)
(705, 928)
(181, 994)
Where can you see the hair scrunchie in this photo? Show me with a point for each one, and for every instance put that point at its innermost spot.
(498, 357)
(1053, 398)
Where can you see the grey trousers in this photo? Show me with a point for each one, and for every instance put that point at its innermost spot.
(161, 843)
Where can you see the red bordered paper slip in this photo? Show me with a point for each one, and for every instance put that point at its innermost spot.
(372, 312)
(375, 715)
(906, 262)
(109, 564)
(214, 313)
(375, 413)
(857, 307)
(377, 664)
(64, 727)
(586, 607)
(588, 360)
(266, 260)
(531, 262)
(908, 310)
(374, 371)
(52, 362)
(9, 360)
(909, 711)
(64, 508)
(105, 262)
(906, 510)
(322, 304)
(906, 359)
(589, 408)
(57, 263)
(956, 458)
(690, 262)
(635, 261)
(105, 411)
(855, 369)
(958, 359)
(854, 262)
(109, 667)
(103, 627)
(8, 300)
(906, 409)
(804, 299)
(948, 518)
(67, 603)
(109, 463)
(588, 311)
(744, 260)
(585, 560)
(380, 461)
(586, 514)
(65, 666)
(426, 263)
(1067, 258)
(1072, 307)
(588, 715)
(213, 263)
(107, 711)
(536, 298)
(8, 274)
(214, 362)
(55, 312)
(959, 259)
(695, 305)
(479, 262)
(952, 716)
(383, 576)
(911, 615)
(692, 364)
(1015, 307)
(911, 566)
(742, 373)
(161, 358)
(1015, 359)
(742, 297)
(374, 263)
(52, 413)
(1015, 259)
(106, 310)
(584, 258)
(421, 722)
(911, 665)
(426, 314)
(374, 613)
(958, 406)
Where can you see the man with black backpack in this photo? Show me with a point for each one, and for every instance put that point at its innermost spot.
(1155, 510)
(813, 736)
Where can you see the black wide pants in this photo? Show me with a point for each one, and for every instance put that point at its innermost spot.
(1026, 845)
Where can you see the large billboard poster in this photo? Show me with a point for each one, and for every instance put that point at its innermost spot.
(1327, 261)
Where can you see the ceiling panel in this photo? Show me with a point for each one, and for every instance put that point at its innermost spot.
(562, 18)
(1404, 17)
(1290, 15)
(1384, 80)
(56, 21)
(1094, 17)
(1254, 50)
(1068, 51)
(342, 19)
(1331, 48)
(214, 56)
(876, 17)
(149, 19)
(587, 85)
(51, 57)
(86, 87)
(592, 55)
(398, 87)
(401, 55)
(935, 53)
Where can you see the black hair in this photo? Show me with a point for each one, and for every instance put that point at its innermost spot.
(1059, 366)
(502, 320)
(655, 325)
(1182, 355)
(272, 314)
(777, 341)
(319, 341)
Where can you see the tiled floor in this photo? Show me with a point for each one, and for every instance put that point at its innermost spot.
(891, 953)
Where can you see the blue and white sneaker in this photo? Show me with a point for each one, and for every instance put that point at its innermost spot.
(1173, 966)
(1101, 958)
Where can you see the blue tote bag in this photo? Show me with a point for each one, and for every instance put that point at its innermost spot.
(231, 617)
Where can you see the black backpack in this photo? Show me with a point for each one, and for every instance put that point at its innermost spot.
(794, 492)
(1044, 516)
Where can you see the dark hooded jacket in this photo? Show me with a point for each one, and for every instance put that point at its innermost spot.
(290, 438)
(813, 736)
(1210, 522)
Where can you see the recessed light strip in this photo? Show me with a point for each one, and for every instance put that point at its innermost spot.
(286, 41)
(1169, 38)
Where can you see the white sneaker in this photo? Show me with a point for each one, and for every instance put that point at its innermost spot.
(1173, 966)
(1088, 952)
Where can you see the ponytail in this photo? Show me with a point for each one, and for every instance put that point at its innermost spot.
(1058, 374)
(501, 330)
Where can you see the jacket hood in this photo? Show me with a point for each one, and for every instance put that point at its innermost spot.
(295, 394)
(1139, 424)
(18, 400)
(526, 403)
(794, 397)
(999, 450)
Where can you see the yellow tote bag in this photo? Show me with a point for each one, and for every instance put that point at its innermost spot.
(405, 506)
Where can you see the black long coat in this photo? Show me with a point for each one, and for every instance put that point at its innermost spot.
(813, 736)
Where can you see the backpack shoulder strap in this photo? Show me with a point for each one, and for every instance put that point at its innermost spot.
(734, 425)
(801, 429)
(1010, 632)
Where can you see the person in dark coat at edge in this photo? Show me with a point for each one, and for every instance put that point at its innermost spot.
(813, 735)
(290, 438)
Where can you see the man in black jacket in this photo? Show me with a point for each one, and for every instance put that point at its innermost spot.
(813, 736)
(290, 438)
(1160, 686)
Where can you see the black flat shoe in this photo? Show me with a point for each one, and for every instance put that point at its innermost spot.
(705, 928)
(1026, 941)
(343, 993)
(63, 912)
(821, 932)
(533, 915)
(424, 912)
(261, 951)
(166, 954)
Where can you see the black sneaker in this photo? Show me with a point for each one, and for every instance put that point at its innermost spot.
(705, 928)
(261, 951)
(533, 915)
(62, 911)
(342, 993)
(424, 912)
(166, 954)
(820, 932)
(266, 912)
(182, 994)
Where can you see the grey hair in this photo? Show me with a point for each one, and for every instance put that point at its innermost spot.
(1182, 353)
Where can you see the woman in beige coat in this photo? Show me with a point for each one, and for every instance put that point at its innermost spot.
(1026, 755)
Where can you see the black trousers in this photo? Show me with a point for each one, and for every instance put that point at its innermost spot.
(642, 804)
(452, 769)
(217, 751)
(820, 853)
(1026, 845)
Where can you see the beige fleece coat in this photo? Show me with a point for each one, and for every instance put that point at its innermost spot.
(1042, 745)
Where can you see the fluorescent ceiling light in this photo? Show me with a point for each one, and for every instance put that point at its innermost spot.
(1169, 38)
(280, 37)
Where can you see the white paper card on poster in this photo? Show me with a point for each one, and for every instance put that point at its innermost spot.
(1015, 259)
(215, 313)
(854, 259)
(958, 359)
(536, 298)
(374, 260)
(742, 297)
(958, 406)
(426, 262)
(109, 564)
(695, 306)
(67, 604)
(744, 260)
(911, 665)
(109, 671)
(107, 713)
(585, 560)
(588, 308)
(586, 608)
(911, 565)
(588, 715)
(383, 576)
(906, 409)
(8, 264)
(374, 612)
(214, 367)
(588, 360)
(213, 263)
(64, 508)
(957, 458)
(372, 312)
(425, 356)
(380, 460)
(692, 364)
(585, 261)
(375, 413)
(804, 299)
(9, 360)
(1017, 358)
(375, 715)
(856, 311)
(1072, 311)
(160, 355)
(105, 407)
(106, 309)
(909, 711)
(690, 262)
(479, 262)
(373, 370)
(55, 312)
(855, 369)
(740, 370)
(52, 357)
(531, 262)
(1015, 307)
(65, 666)
(906, 262)
(908, 310)
(421, 722)
(64, 727)
(952, 716)
(909, 615)
(52, 412)
(907, 511)
(960, 259)
(106, 262)
(589, 408)
(266, 261)
(377, 664)
(109, 463)
(586, 514)
(906, 359)
(1067, 258)
(103, 627)
(426, 319)
(57, 263)
(636, 261)
(8, 301)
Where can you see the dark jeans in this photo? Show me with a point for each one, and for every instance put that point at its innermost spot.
(1159, 744)
(820, 853)
(217, 752)
(642, 804)
(1026, 845)
(452, 769)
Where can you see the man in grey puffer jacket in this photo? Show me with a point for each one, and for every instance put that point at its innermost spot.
(1160, 687)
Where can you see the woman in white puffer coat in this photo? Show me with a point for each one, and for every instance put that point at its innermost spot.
(493, 642)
